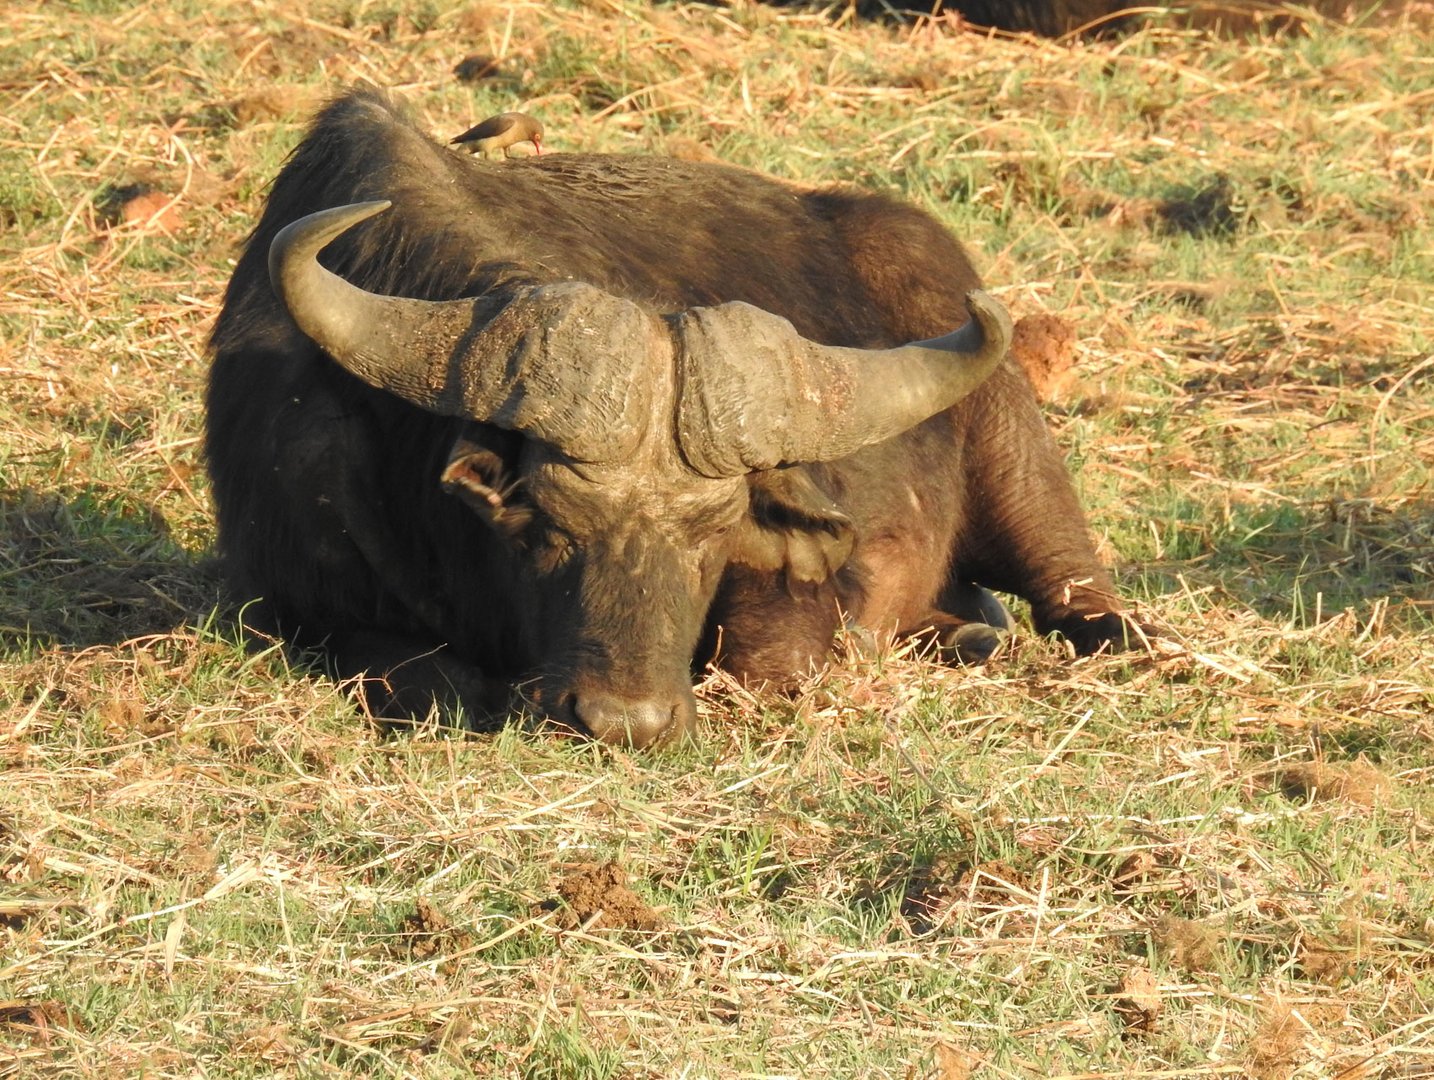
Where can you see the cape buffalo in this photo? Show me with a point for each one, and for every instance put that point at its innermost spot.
(578, 422)
(1055, 18)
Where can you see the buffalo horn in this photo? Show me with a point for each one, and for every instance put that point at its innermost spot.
(755, 394)
(570, 364)
(554, 361)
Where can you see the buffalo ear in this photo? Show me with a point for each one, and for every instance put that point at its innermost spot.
(476, 475)
(793, 526)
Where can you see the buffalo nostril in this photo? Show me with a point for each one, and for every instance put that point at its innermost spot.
(637, 724)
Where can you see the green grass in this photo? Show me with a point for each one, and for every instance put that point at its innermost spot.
(211, 865)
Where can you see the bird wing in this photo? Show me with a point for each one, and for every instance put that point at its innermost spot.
(494, 125)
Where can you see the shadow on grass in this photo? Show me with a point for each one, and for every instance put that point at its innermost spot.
(1282, 559)
(84, 568)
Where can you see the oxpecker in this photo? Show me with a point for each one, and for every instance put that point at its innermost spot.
(500, 132)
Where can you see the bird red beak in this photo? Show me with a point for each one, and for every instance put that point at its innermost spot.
(537, 145)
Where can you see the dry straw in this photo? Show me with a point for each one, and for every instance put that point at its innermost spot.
(210, 864)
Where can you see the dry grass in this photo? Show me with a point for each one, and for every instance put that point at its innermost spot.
(1210, 859)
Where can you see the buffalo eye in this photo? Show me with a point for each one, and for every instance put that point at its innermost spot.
(549, 549)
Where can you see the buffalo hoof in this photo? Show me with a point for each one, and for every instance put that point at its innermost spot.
(973, 636)
(1109, 631)
(972, 643)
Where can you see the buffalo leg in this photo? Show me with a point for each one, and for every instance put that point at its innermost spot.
(970, 603)
(971, 630)
(1028, 533)
(402, 679)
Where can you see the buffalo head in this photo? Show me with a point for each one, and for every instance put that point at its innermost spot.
(628, 494)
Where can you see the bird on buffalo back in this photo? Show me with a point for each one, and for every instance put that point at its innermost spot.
(500, 133)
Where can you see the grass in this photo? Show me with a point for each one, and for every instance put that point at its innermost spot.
(1208, 860)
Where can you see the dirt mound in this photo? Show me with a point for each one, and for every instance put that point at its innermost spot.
(1045, 346)
(596, 896)
(1357, 782)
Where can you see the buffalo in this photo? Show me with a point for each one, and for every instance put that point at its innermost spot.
(563, 429)
(1057, 18)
